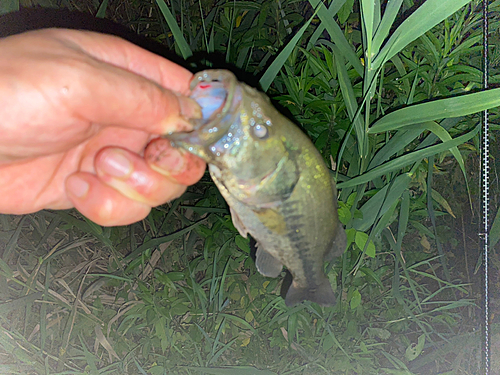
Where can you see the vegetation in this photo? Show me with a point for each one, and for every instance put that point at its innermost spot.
(390, 94)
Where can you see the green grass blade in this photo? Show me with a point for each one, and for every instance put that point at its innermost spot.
(438, 109)
(367, 20)
(404, 214)
(273, 70)
(332, 11)
(390, 13)
(368, 272)
(19, 303)
(12, 243)
(397, 143)
(381, 202)
(407, 159)
(337, 35)
(349, 97)
(158, 241)
(101, 12)
(176, 31)
(428, 15)
(86, 226)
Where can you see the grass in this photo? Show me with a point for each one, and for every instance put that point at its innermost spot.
(391, 102)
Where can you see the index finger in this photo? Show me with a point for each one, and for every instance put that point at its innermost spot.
(123, 85)
(115, 51)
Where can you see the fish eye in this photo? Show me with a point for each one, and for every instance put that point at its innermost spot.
(260, 131)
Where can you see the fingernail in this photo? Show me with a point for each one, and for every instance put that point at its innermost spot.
(170, 162)
(178, 125)
(77, 186)
(115, 164)
(189, 107)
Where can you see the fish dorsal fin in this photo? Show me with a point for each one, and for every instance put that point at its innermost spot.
(266, 264)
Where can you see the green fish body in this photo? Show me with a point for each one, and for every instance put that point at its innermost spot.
(274, 180)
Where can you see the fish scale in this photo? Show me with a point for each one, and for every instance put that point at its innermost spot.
(274, 180)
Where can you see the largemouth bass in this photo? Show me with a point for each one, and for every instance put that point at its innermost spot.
(274, 180)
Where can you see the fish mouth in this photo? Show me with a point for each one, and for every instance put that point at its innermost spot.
(217, 93)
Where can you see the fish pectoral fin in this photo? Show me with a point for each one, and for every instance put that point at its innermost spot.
(266, 264)
(238, 224)
(339, 244)
(321, 294)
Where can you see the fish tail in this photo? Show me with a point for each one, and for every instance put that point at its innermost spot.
(321, 294)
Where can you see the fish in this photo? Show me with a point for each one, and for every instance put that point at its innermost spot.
(274, 180)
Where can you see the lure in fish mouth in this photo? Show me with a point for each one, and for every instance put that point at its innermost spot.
(274, 180)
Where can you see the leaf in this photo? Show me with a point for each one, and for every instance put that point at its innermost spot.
(176, 31)
(7, 272)
(378, 205)
(179, 309)
(428, 15)
(345, 11)
(413, 351)
(176, 276)
(368, 272)
(273, 70)
(438, 109)
(249, 316)
(242, 243)
(328, 343)
(336, 34)
(407, 159)
(101, 12)
(381, 333)
(360, 240)
(443, 202)
(355, 299)
(390, 13)
(349, 96)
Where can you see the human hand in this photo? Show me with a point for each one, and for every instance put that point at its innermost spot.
(79, 124)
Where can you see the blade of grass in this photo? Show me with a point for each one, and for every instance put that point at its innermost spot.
(176, 31)
(157, 241)
(330, 13)
(101, 12)
(349, 98)
(438, 109)
(273, 69)
(337, 35)
(367, 18)
(12, 243)
(390, 14)
(428, 15)
(381, 202)
(407, 159)
(430, 210)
